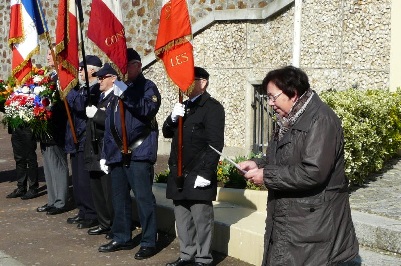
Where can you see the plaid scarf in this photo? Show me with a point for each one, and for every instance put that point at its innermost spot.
(285, 123)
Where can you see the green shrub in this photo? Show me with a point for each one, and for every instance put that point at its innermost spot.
(372, 128)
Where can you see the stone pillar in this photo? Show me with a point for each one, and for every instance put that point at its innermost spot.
(395, 54)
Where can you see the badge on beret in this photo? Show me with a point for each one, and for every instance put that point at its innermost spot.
(154, 98)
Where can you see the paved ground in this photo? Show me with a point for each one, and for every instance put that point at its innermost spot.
(31, 238)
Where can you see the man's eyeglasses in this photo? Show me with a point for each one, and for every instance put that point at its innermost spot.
(274, 98)
(103, 77)
(81, 68)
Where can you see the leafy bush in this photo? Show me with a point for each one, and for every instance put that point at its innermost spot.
(371, 121)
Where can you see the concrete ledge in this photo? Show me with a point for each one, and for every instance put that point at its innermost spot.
(377, 232)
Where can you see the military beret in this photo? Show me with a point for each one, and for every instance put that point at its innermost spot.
(201, 73)
(92, 60)
(133, 55)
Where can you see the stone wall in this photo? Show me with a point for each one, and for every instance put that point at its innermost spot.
(344, 43)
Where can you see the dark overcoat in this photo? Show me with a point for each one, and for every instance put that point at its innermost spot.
(308, 212)
(95, 135)
(203, 126)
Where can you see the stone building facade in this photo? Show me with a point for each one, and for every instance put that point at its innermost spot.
(344, 44)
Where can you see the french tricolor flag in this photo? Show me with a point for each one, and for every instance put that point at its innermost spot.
(27, 24)
(106, 30)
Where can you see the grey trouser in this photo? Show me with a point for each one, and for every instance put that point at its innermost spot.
(195, 222)
(56, 174)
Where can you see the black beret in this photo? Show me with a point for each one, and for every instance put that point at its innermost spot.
(92, 60)
(132, 55)
(201, 73)
(106, 69)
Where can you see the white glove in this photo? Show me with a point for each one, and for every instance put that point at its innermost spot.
(91, 111)
(201, 182)
(179, 110)
(119, 87)
(103, 166)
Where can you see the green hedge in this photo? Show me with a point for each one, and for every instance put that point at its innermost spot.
(371, 120)
(372, 128)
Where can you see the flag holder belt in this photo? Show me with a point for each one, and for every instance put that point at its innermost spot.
(135, 144)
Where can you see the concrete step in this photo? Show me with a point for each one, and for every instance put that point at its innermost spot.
(240, 223)
(377, 232)
(371, 257)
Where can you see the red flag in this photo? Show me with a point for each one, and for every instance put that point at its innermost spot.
(27, 24)
(106, 30)
(67, 45)
(173, 45)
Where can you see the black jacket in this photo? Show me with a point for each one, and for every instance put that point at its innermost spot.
(203, 126)
(95, 131)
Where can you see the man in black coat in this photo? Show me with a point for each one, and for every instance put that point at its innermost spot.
(100, 180)
(203, 125)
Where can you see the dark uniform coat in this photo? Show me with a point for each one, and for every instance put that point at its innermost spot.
(141, 103)
(308, 212)
(95, 131)
(203, 126)
(77, 100)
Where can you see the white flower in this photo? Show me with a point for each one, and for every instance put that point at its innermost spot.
(25, 89)
(37, 90)
(37, 79)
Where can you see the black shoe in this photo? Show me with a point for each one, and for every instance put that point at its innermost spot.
(98, 231)
(114, 246)
(55, 211)
(43, 208)
(202, 264)
(75, 220)
(87, 223)
(32, 193)
(180, 262)
(109, 235)
(18, 192)
(145, 252)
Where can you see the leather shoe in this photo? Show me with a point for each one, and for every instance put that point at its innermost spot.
(180, 262)
(87, 223)
(114, 246)
(109, 235)
(43, 208)
(202, 264)
(18, 192)
(32, 193)
(75, 220)
(145, 252)
(55, 210)
(98, 231)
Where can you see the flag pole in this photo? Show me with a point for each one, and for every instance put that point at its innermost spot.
(180, 177)
(67, 107)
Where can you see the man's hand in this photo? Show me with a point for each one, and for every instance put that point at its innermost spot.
(178, 110)
(201, 182)
(119, 87)
(91, 111)
(103, 166)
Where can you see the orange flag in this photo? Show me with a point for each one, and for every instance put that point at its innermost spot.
(67, 45)
(173, 45)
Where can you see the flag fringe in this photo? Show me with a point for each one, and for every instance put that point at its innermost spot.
(173, 44)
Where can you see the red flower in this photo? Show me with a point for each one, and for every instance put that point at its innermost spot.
(41, 72)
(45, 102)
(52, 87)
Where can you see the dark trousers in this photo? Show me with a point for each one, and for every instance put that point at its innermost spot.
(138, 176)
(24, 148)
(101, 193)
(81, 187)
